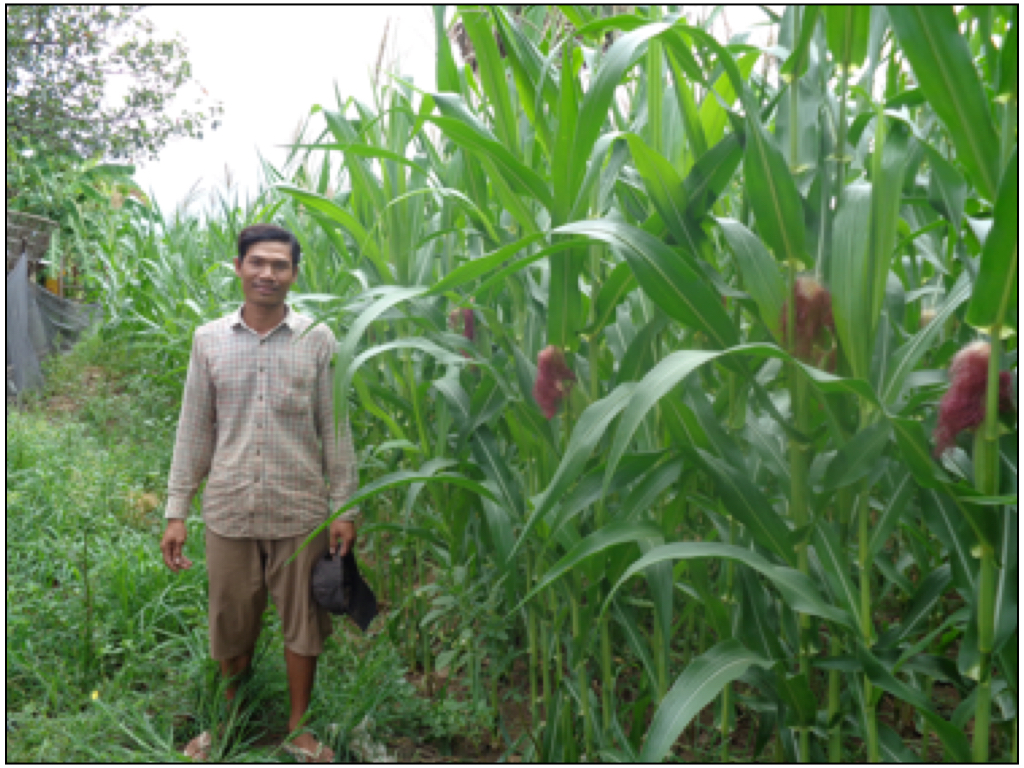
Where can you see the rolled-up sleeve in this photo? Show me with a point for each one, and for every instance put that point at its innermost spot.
(341, 468)
(193, 446)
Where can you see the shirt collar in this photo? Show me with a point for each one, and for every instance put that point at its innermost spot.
(289, 321)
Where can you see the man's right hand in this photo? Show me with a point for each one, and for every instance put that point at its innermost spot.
(173, 544)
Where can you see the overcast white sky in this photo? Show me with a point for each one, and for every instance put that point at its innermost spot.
(269, 65)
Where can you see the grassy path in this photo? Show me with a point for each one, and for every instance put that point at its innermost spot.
(106, 649)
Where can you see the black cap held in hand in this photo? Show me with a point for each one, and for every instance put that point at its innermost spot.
(338, 587)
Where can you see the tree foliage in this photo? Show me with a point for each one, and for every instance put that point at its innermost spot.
(61, 63)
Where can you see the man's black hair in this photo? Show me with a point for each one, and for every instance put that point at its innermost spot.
(264, 233)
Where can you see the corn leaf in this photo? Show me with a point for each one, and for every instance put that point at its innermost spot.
(343, 375)
(761, 276)
(710, 175)
(949, 527)
(488, 458)
(589, 429)
(534, 85)
(890, 517)
(846, 32)
(892, 747)
(1009, 64)
(674, 368)
(363, 178)
(522, 179)
(613, 292)
(456, 397)
(952, 737)
(613, 534)
(747, 503)
(797, 589)
(1008, 584)
(695, 688)
(941, 59)
(676, 287)
(931, 589)
(916, 453)
(666, 191)
(755, 628)
(481, 266)
(398, 480)
(856, 459)
(637, 641)
(713, 116)
(889, 160)
(796, 65)
(587, 491)
(390, 296)
(598, 99)
(994, 301)
(491, 69)
(692, 126)
(336, 213)
(795, 692)
(849, 280)
(946, 187)
(447, 76)
(773, 195)
(835, 560)
(561, 165)
(907, 356)
(566, 313)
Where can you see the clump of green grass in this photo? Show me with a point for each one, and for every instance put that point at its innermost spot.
(94, 620)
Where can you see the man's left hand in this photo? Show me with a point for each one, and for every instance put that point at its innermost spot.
(343, 531)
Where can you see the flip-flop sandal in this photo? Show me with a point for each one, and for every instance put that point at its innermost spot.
(303, 755)
(199, 747)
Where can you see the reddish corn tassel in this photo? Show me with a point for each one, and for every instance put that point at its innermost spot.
(813, 308)
(463, 320)
(554, 380)
(963, 405)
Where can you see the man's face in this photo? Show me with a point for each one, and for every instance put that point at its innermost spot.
(266, 273)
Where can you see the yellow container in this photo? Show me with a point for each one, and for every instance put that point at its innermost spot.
(53, 285)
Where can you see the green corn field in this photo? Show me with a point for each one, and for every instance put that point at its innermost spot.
(651, 344)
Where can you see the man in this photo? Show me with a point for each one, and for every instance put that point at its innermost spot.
(257, 422)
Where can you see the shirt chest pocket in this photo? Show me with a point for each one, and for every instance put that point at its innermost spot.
(291, 387)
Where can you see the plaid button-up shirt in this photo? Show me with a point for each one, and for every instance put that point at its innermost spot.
(257, 422)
